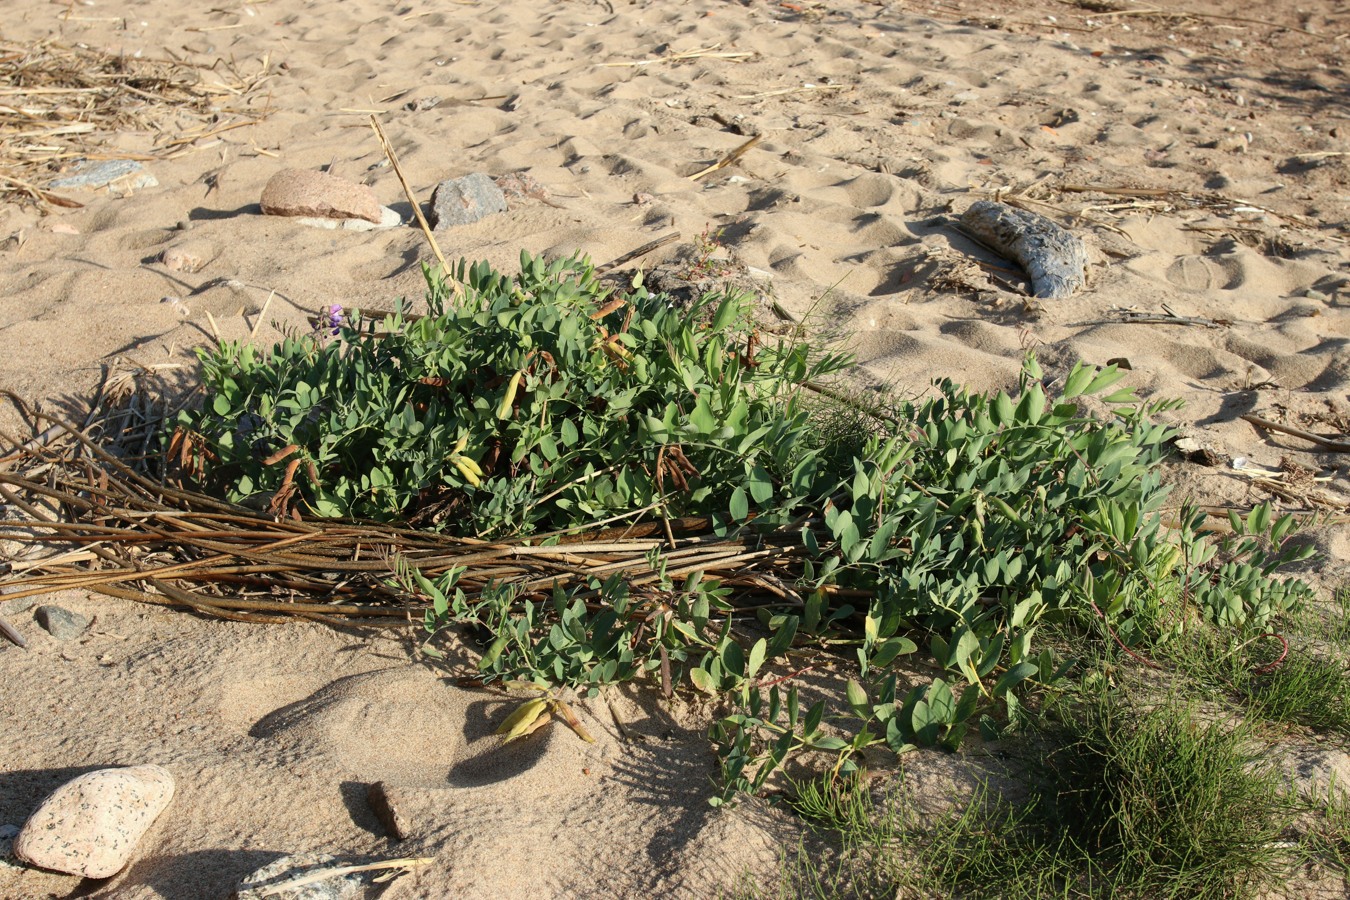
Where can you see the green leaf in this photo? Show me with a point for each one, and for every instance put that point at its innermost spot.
(857, 698)
(1015, 676)
(739, 506)
(702, 680)
(756, 657)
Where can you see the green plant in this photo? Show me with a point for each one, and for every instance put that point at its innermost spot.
(1271, 677)
(544, 402)
(1169, 803)
(535, 402)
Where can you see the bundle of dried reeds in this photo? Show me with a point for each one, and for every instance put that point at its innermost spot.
(103, 526)
(60, 103)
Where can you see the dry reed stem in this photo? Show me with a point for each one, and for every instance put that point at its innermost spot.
(412, 199)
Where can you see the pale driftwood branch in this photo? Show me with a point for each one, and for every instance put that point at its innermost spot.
(1325, 443)
(1054, 258)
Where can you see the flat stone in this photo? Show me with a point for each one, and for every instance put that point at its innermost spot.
(517, 187)
(302, 192)
(388, 219)
(264, 883)
(462, 201)
(90, 825)
(60, 622)
(387, 811)
(101, 173)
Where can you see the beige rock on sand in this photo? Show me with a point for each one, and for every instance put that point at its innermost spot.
(879, 122)
(301, 192)
(90, 826)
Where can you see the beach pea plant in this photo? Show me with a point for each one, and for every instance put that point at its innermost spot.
(540, 401)
(951, 530)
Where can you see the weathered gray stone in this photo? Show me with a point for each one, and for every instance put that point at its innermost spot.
(60, 622)
(96, 174)
(90, 825)
(7, 835)
(461, 201)
(265, 882)
(302, 192)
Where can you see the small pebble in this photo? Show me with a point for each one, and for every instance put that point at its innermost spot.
(60, 622)
(188, 257)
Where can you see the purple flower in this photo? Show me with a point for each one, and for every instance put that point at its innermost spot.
(333, 315)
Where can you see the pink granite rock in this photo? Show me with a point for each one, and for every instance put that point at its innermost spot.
(90, 825)
(300, 192)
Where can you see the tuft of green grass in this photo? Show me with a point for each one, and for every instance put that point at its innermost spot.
(1131, 801)
(1169, 804)
(1270, 677)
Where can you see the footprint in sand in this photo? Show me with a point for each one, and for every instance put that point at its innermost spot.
(1201, 273)
(408, 727)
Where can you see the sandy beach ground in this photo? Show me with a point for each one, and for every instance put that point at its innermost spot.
(1204, 158)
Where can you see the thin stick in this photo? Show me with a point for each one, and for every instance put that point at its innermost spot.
(262, 314)
(407, 192)
(215, 332)
(8, 631)
(640, 251)
(704, 53)
(729, 158)
(284, 887)
(1325, 443)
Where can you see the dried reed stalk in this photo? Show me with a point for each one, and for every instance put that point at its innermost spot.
(117, 531)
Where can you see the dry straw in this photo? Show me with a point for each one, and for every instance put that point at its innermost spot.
(59, 104)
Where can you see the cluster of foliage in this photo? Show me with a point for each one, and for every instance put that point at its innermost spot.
(537, 402)
(963, 522)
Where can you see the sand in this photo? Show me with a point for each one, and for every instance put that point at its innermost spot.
(881, 122)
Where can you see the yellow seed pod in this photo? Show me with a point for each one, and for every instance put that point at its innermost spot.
(509, 401)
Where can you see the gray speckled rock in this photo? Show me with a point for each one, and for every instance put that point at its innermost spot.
(96, 174)
(7, 835)
(264, 882)
(301, 192)
(60, 622)
(460, 201)
(90, 825)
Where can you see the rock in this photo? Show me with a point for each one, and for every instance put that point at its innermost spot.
(377, 795)
(90, 826)
(301, 192)
(190, 256)
(388, 219)
(461, 201)
(127, 172)
(7, 835)
(519, 186)
(264, 882)
(60, 622)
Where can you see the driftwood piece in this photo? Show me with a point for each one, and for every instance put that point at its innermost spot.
(1055, 259)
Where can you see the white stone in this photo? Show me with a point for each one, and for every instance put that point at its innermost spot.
(90, 825)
